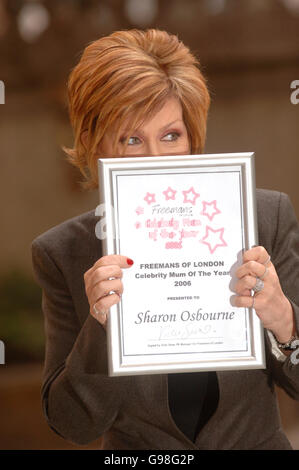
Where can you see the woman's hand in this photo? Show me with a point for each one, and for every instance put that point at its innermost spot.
(270, 303)
(103, 285)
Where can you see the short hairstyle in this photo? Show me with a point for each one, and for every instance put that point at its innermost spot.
(128, 75)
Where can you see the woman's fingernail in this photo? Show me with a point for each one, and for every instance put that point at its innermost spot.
(130, 261)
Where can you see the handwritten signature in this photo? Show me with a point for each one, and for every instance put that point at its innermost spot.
(185, 331)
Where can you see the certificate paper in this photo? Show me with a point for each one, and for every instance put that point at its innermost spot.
(185, 221)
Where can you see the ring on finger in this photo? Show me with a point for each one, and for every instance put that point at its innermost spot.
(102, 315)
(267, 261)
(259, 285)
(265, 273)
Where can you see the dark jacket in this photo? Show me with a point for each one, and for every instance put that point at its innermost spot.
(132, 412)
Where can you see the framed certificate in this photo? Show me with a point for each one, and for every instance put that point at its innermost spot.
(185, 221)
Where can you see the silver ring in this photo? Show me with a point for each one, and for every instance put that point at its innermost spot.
(265, 273)
(259, 285)
(98, 313)
(268, 260)
(94, 308)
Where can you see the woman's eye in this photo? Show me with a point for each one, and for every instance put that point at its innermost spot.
(133, 141)
(171, 136)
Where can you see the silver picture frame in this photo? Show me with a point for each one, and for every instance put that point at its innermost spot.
(185, 220)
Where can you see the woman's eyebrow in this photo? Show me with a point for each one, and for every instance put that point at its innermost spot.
(127, 130)
(170, 124)
(167, 126)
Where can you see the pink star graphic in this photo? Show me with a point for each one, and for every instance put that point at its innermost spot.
(210, 209)
(214, 239)
(169, 193)
(149, 198)
(139, 210)
(190, 191)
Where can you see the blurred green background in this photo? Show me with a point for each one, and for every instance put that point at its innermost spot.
(21, 322)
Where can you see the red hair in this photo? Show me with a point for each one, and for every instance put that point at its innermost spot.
(128, 75)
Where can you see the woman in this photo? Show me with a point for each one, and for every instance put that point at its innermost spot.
(142, 93)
